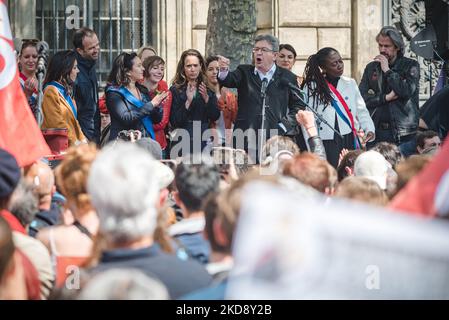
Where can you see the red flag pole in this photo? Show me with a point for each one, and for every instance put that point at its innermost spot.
(19, 132)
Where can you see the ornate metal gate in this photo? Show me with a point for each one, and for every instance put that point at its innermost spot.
(120, 25)
(409, 16)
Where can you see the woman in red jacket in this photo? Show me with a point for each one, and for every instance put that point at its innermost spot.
(154, 73)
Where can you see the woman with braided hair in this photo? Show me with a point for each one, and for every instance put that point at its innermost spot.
(338, 100)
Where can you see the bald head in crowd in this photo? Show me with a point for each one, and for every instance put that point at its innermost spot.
(41, 176)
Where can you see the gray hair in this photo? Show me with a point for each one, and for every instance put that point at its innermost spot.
(123, 284)
(124, 190)
(269, 38)
(24, 204)
(395, 37)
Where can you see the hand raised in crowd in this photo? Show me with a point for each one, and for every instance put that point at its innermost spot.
(135, 135)
(307, 120)
(369, 136)
(223, 63)
(365, 137)
(203, 92)
(391, 96)
(190, 92)
(343, 152)
(158, 99)
(383, 62)
(30, 86)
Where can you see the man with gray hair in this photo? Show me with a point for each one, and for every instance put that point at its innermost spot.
(390, 88)
(124, 184)
(259, 83)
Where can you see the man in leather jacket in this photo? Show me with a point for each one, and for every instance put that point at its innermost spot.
(390, 88)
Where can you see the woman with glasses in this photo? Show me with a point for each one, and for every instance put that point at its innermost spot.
(28, 57)
(193, 103)
(128, 101)
(58, 106)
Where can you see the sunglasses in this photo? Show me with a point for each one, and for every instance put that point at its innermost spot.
(29, 42)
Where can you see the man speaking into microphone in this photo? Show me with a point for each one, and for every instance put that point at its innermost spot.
(267, 106)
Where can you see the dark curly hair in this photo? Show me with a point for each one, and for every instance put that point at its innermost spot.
(312, 74)
(122, 64)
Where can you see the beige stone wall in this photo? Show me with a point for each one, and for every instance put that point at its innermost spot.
(367, 23)
(22, 10)
(347, 25)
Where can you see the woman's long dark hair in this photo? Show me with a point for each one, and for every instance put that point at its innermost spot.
(180, 79)
(312, 74)
(123, 63)
(60, 67)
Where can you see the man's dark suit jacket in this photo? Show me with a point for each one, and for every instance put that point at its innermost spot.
(282, 105)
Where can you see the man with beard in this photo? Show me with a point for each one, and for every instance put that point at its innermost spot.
(87, 48)
(390, 88)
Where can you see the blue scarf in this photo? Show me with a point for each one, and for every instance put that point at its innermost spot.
(128, 96)
(64, 94)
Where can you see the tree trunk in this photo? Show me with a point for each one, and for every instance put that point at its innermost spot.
(231, 27)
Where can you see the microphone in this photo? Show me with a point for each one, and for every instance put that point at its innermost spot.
(264, 86)
(42, 50)
(292, 86)
(297, 92)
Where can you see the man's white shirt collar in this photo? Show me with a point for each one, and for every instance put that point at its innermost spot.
(269, 75)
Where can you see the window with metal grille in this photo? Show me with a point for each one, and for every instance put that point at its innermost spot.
(120, 26)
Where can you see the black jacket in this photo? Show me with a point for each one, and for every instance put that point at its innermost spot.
(86, 97)
(179, 277)
(183, 118)
(435, 112)
(403, 79)
(126, 116)
(282, 104)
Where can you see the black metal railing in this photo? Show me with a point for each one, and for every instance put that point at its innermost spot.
(120, 25)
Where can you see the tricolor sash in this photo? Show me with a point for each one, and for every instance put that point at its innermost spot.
(65, 95)
(349, 120)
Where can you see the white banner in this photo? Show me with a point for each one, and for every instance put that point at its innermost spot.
(287, 247)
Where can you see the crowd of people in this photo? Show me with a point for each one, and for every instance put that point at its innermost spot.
(146, 200)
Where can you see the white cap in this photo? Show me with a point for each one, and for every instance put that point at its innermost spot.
(372, 165)
(163, 173)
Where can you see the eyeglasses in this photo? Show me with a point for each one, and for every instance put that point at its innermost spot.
(264, 50)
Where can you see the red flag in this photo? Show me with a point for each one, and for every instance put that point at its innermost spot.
(427, 193)
(19, 132)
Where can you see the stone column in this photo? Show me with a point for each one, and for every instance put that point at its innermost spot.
(22, 17)
(367, 22)
(173, 34)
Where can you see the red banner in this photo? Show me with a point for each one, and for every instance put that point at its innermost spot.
(19, 132)
(427, 194)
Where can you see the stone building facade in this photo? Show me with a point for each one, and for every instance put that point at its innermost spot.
(348, 25)
(172, 26)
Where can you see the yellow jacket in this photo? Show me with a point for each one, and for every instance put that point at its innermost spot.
(59, 114)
